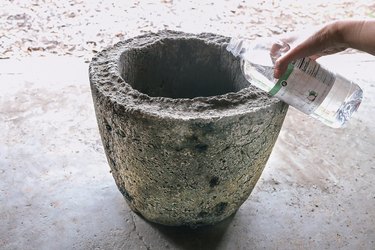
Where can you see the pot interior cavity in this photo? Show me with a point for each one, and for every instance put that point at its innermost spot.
(181, 68)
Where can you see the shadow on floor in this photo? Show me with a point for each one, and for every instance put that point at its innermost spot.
(206, 237)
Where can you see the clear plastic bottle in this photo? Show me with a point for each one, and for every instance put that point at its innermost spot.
(306, 85)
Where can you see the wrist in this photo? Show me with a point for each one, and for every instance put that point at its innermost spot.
(349, 33)
(340, 33)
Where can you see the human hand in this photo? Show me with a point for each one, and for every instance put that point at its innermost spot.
(323, 41)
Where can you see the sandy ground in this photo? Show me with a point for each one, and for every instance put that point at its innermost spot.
(80, 28)
(56, 190)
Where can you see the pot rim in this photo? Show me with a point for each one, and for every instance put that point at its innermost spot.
(106, 79)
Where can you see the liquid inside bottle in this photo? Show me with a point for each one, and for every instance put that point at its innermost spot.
(306, 85)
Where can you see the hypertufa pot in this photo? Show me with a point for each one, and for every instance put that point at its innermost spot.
(185, 135)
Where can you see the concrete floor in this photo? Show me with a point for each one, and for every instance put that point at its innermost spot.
(56, 192)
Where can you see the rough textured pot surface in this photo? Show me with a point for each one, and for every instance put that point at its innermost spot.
(185, 136)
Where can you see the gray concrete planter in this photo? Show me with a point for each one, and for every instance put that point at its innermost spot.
(185, 136)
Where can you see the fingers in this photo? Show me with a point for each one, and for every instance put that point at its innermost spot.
(312, 47)
(282, 63)
(280, 68)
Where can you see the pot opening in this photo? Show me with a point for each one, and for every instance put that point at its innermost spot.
(181, 68)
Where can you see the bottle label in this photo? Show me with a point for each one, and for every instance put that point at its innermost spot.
(304, 85)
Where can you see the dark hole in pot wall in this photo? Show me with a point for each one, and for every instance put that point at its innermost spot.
(181, 68)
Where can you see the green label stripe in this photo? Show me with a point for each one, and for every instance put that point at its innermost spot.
(284, 77)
